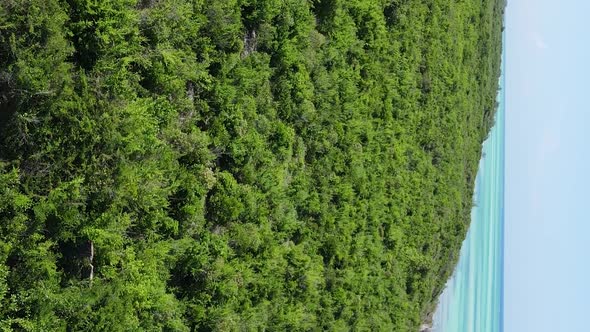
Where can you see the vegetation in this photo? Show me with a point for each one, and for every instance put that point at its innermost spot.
(238, 165)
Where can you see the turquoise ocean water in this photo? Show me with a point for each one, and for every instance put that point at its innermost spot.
(473, 298)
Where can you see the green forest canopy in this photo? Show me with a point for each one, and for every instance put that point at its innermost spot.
(238, 165)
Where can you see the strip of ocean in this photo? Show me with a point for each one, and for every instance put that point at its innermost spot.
(473, 298)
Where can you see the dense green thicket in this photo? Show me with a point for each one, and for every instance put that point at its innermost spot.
(238, 165)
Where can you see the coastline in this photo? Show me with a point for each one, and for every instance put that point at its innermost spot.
(473, 296)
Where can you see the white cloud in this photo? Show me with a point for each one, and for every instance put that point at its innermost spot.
(540, 42)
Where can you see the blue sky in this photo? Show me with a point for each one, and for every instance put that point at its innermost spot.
(547, 253)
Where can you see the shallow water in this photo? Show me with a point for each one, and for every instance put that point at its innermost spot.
(473, 298)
